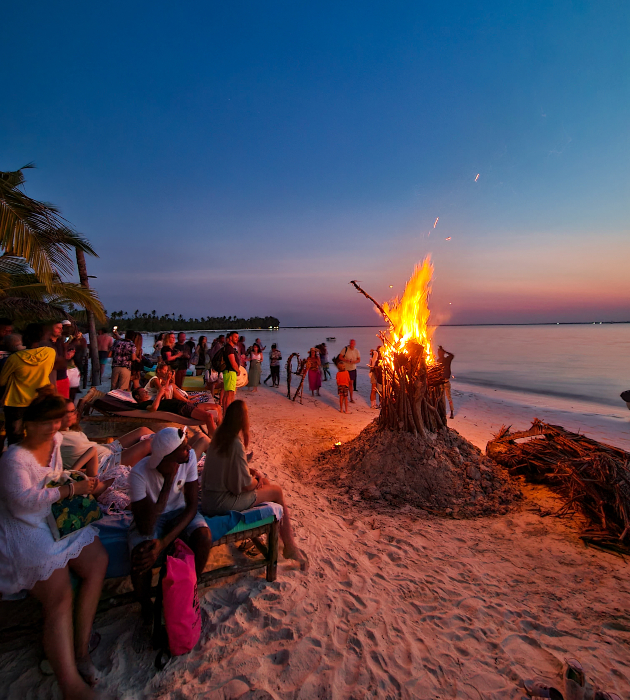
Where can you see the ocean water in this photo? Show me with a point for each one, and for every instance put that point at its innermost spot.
(588, 365)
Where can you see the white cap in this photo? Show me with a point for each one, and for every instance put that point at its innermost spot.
(66, 322)
(165, 441)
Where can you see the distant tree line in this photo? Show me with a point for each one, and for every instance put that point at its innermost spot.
(151, 322)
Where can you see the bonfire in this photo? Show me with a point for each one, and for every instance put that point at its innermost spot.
(412, 398)
(408, 455)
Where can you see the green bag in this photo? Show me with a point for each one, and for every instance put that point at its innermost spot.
(71, 514)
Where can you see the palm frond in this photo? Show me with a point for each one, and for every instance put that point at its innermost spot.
(29, 310)
(36, 231)
(59, 294)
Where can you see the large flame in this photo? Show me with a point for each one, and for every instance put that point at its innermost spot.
(410, 314)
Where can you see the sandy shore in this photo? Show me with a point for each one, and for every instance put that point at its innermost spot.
(398, 606)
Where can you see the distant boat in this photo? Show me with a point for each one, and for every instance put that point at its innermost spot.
(331, 338)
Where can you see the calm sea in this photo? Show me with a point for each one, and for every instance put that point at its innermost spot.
(586, 364)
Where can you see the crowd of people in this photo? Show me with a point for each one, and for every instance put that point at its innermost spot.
(155, 475)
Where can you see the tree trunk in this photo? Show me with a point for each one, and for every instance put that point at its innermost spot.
(83, 279)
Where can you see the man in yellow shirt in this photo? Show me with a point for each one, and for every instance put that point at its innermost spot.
(23, 374)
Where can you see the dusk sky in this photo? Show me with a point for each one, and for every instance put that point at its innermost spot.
(250, 158)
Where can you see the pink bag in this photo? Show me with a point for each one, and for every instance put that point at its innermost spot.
(180, 603)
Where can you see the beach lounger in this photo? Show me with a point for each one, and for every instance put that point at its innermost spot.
(112, 411)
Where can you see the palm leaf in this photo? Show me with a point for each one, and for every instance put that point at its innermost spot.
(36, 231)
(59, 294)
(30, 310)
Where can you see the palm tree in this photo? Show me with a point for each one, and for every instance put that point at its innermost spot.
(37, 246)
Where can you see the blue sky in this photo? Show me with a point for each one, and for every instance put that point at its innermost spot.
(252, 158)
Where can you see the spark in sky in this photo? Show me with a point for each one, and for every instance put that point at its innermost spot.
(435, 224)
(477, 177)
(447, 239)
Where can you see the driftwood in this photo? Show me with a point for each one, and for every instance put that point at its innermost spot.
(412, 393)
(591, 478)
(300, 372)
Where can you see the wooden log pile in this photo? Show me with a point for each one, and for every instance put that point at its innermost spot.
(412, 397)
(591, 478)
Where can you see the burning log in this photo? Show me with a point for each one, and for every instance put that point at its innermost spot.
(412, 396)
(591, 477)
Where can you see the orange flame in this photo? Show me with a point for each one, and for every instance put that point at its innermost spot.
(410, 314)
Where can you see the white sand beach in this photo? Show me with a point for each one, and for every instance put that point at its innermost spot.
(405, 605)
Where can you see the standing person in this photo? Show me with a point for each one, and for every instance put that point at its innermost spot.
(157, 346)
(23, 374)
(74, 373)
(169, 355)
(228, 483)
(323, 356)
(6, 328)
(185, 353)
(376, 374)
(255, 358)
(242, 350)
(164, 490)
(123, 355)
(137, 366)
(59, 375)
(351, 358)
(31, 559)
(201, 352)
(313, 367)
(445, 358)
(343, 386)
(79, 343)
(274, 365)
(104, 342)
(232, 366)
(217, 344)
(260, 345)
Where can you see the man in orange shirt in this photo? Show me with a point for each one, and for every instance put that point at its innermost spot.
(343, 386)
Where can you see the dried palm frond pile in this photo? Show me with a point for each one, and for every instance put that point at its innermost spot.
(592, 478)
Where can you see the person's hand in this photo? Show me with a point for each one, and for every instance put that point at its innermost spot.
(169, 470)
(256, 472)
(85, 486)
(146, 554)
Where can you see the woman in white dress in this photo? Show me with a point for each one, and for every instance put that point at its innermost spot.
(30, 558)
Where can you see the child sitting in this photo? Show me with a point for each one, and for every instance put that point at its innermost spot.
(343, 386)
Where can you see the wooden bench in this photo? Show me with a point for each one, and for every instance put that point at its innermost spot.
(20, 620)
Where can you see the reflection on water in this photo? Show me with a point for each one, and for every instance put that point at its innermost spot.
(581, 362)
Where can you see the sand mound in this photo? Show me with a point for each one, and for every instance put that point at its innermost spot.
(446, 474)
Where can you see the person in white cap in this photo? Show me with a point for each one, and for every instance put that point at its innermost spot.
(164, 491)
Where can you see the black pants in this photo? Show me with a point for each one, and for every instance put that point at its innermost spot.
(353, 376)
(13, 423)
(275, 375)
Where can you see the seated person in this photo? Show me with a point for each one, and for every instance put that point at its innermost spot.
(31, 559)
(177, 406)
(164, 377)
(79, 452)
(164, 491)
(228, 483)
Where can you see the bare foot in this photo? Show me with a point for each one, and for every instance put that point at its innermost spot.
(296, 554)
(88, 670)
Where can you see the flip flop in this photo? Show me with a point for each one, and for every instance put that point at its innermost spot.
(603, 695)
(574, 680)
(541, 689)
